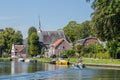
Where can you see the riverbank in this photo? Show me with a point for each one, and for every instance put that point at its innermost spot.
(86, 61)
(102, 62)
(4, 59)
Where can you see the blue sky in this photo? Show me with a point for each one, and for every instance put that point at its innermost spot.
(54, 14)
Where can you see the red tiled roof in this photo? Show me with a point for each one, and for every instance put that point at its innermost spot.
(58, 42)
(19, 48)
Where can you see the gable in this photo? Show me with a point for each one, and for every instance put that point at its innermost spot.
(19, 48)
(63, 44)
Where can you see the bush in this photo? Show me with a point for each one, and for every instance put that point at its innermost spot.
(69, 53)
(79, 48)
(103, 55)
(93, 48)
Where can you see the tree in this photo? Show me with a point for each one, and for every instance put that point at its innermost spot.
(77, 31)
(1, 42)
(34, 44)
(79, 48)
(70, 30)
(106, 19)
(113, 48)
(83, 30)
(11, 37)
(18, 38)
(30, 31)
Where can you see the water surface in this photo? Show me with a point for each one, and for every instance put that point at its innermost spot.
(45, 71)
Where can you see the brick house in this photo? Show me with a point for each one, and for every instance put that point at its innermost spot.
(58, 46)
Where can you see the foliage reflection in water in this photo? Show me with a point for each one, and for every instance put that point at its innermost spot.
(42, 71)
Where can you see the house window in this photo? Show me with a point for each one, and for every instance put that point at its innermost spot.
(64, 48)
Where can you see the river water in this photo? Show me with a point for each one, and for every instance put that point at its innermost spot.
(45, 71)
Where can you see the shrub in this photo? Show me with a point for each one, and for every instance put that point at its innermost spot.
(103, 55)
(69, 53)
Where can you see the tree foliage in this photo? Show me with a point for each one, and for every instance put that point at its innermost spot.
(69, 30)
(69, 53)
(8, 37)
(83, 30)
(1, 39)
(106, 19)
(18, 38)
(113, 48)
(77, 31)
(93, 48)
(30, 31)
(33, 42)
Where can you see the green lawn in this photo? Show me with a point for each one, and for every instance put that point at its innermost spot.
(74, 60)
(96, 61)
(85, 60)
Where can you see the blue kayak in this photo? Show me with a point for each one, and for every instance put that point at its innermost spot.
(78, 67)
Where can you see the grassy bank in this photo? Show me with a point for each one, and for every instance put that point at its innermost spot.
(96, 61)
(85, 60)
(45, 60)
(4, 59)
(74, 60)
(101, 61)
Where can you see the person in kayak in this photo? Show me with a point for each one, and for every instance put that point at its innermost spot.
(79, 64)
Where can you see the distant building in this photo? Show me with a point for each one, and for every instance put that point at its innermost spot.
(88, 40)
(59, 46)
(49, 39)
(18, 51)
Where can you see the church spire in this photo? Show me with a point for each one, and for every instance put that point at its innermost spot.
(40, 30)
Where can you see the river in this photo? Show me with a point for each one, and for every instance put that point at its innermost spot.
(45, 71)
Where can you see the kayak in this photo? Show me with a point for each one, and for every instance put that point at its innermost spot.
(79, 66)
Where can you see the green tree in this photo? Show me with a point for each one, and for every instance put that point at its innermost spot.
(18, 38)
(83, 30)
(30, 31)
(34, 44)
(79, 48)
(1, 42)
(69, 53)
(69, 30)
(77, 31)
(113, 48)
(11, 37)
(106, 19)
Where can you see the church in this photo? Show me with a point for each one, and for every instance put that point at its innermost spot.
(54, 42)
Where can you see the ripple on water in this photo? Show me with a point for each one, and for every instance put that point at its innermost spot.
(67, 74)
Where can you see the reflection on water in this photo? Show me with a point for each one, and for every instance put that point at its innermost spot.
(42, 71)
(11, 68)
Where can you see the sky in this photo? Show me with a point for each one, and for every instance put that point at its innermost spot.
(53, 14)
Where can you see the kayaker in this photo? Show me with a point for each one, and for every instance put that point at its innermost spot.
(79, 63)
